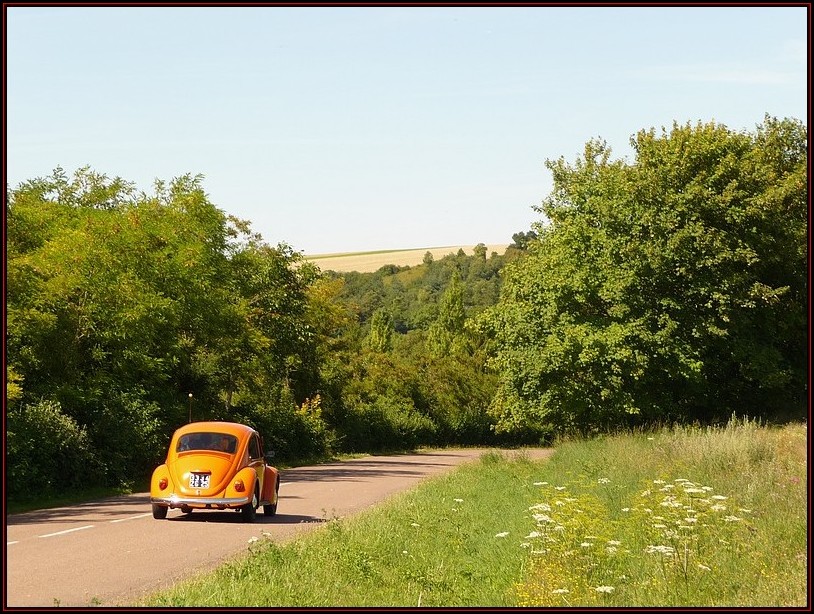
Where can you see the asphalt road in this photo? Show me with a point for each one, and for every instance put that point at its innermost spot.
(111, 552)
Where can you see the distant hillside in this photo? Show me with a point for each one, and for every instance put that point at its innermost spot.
(367, 262)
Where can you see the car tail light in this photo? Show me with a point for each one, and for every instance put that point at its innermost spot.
(239, 487)
(162, 483)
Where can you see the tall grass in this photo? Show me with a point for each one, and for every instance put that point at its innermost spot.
(682, 517)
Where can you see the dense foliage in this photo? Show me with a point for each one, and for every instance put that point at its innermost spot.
(409, 371)
(670, 288)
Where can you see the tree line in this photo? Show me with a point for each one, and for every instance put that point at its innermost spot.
(671, 288)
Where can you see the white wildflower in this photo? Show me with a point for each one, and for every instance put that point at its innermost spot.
(665, 550)
(545, 507)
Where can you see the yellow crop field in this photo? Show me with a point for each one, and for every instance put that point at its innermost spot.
(367, 262)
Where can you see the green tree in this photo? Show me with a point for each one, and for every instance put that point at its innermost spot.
(446, 334)
(380, 337)
(672, 287)
(522, 239)
(479, 251)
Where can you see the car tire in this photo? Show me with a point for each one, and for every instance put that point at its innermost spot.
(271, 510)
(249, 511)
(160, 511)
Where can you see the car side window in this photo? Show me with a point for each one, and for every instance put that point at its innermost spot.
(254, 448)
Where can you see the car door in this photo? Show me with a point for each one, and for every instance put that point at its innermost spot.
(256, 461)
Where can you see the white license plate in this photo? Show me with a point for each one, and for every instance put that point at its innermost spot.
(199, 480)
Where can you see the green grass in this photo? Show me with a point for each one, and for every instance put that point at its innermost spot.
(682, 517)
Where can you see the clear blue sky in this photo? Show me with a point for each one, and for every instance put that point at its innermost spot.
(349, 129)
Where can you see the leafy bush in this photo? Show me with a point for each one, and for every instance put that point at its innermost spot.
(47, 451)
(293, 432)
(385, 424)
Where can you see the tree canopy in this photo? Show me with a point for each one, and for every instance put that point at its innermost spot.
(672, 287)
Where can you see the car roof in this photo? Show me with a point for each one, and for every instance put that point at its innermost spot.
(230, 428)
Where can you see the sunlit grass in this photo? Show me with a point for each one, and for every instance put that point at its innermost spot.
(681, 517)
(686, 517)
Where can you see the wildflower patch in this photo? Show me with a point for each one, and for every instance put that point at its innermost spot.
(660, 548)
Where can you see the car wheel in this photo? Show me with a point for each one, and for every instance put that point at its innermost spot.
(271, 510)
(249, 511)
(160, 511)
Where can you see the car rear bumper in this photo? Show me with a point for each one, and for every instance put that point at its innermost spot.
(174, 501)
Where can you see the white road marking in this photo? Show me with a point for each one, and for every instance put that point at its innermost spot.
(131, 517)
(9, 543)
(87, 526)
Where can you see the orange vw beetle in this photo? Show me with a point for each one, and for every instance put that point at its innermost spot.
(215, 466)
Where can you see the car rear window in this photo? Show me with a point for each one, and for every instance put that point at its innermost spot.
(207, 441)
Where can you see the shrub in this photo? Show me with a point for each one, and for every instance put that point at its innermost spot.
(47, 451)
